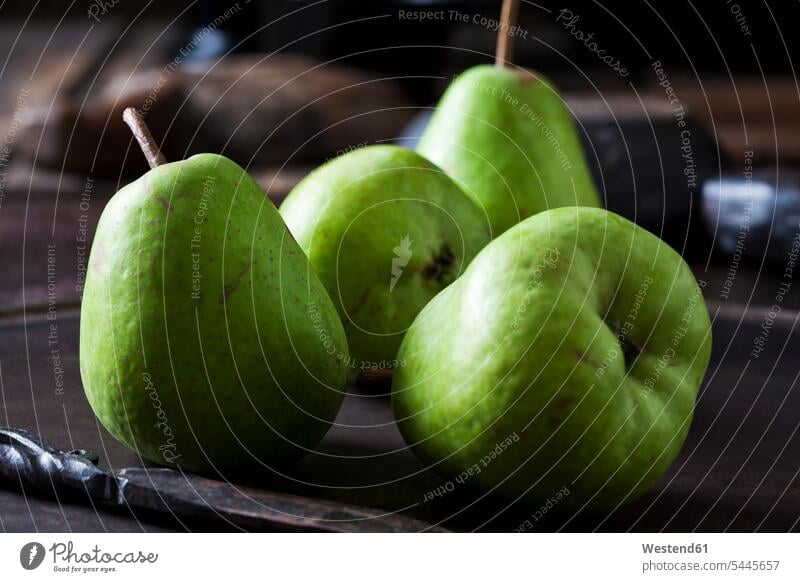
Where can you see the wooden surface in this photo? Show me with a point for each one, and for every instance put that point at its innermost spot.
(737, 471)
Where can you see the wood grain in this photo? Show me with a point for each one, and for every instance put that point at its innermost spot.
(736, 472)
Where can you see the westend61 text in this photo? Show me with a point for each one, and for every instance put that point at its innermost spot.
(675, 549)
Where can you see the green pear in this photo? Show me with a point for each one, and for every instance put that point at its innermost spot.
(206, 341)
(568, 355)
(507, 138)
(385, 230)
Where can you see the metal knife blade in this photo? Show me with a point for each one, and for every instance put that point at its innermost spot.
(33, 465)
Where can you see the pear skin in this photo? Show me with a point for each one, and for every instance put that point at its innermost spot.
(385, 230)
(507, 138)
(569, 355)
(206, 341)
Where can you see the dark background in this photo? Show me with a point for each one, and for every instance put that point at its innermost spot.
(288, 103)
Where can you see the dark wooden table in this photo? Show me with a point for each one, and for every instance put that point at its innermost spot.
(737, 471)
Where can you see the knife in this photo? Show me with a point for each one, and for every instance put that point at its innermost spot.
(31, 464)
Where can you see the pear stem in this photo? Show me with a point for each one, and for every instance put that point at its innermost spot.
(142, 134)
(505, 41)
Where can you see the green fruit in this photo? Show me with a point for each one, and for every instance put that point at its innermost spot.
(385, 230)
(206, 342)
(568, 355)
(509, 141)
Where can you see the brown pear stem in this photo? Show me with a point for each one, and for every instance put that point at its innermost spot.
(505, 41)
(142, 134)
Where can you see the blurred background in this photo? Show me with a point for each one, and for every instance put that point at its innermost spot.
(689, 113)
(281, 86)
